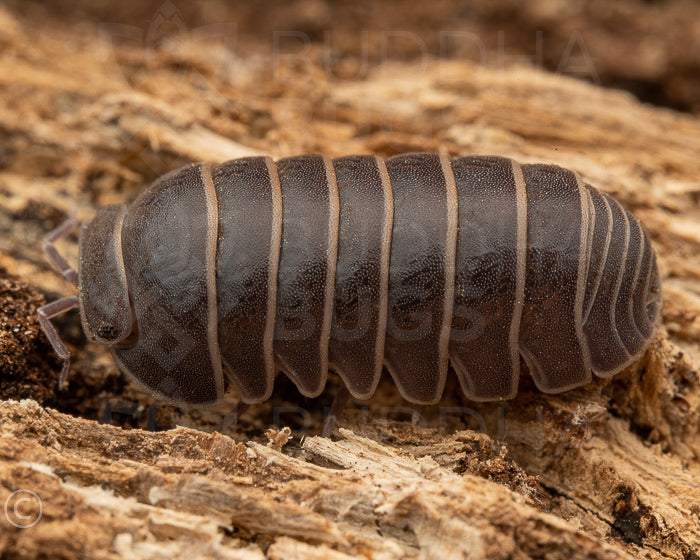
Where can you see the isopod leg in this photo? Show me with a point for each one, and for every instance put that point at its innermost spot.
(337, 407)
(47, 312)
(231, 418)
(55, 257)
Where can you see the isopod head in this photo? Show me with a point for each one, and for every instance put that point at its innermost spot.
(103, 291)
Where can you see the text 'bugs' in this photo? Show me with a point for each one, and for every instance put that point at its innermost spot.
(237, 271)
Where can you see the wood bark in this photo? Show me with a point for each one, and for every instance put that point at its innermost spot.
(610, 470)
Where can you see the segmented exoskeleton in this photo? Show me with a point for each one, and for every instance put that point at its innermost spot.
(239, 270)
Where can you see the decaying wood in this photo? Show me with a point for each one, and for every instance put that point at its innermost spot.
(211, 494)
(611, 470)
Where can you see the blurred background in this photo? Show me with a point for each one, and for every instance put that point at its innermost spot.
(650, 48)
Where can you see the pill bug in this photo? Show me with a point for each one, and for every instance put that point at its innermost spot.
(239, 270)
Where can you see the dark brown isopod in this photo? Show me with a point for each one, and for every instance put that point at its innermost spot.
(236, 271)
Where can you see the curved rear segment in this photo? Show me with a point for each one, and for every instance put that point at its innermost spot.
(646, 296)
(652, 298)
(607, 350)
(648, 275)
(169, 248)
(624, 313)
(625, 308)
(600, 234)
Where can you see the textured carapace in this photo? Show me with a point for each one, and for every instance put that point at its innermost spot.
(239, 270)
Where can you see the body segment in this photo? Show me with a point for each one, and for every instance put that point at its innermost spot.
(489, 276)
(366, 214)
(421, 274)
